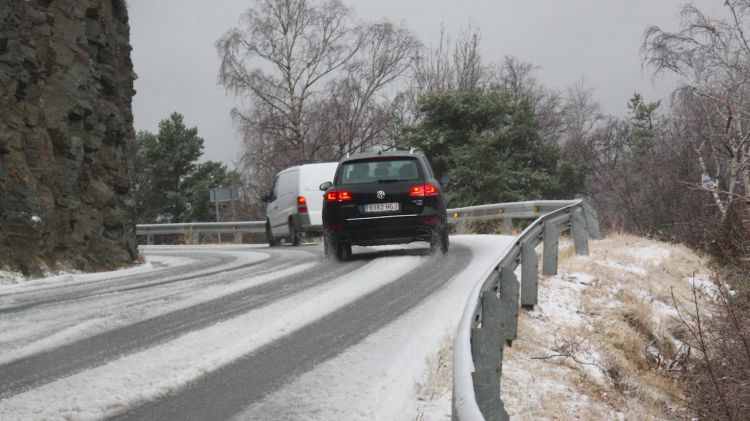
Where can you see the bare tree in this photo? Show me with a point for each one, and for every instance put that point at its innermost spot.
(312, 80)
(451, 65)
(712, 58)
(470, 73)
(286, 51)
(581, 115)
(356, 113)
(433, 71)
(516, 79)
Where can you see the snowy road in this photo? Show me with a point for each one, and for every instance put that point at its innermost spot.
(236, 331)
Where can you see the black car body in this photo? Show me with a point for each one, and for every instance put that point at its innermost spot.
(383, 198)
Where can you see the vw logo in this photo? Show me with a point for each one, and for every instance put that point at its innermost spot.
(381, 194)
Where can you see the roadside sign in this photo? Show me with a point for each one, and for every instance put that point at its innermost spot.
(223, 194)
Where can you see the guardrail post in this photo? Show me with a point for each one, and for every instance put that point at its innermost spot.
(509, 297)
(580, 236)
(237, 235)
(150, 239)
(507, 226)
(592, 221)
(529, 276)
(551, 239)
(487, 353)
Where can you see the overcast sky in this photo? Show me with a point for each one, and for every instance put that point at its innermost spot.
(177, 64)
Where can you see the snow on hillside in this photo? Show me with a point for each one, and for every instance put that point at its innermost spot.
(602, 341)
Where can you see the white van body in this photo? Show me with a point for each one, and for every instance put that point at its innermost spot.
(283, 209)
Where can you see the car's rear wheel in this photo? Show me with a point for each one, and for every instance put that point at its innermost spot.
(346, 252)
(439, 241)
(293, 234)
(334, 249)
(272, 242)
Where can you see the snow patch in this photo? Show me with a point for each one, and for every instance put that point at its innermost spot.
(704, 285)
(650, 254)
(10, 278)
(560, 298)
(635, 270)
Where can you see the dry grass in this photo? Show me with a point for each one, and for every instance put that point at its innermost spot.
(616, 355)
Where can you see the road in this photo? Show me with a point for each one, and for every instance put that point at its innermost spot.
(237, 331)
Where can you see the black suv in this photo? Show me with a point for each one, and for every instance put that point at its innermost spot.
(383, 198)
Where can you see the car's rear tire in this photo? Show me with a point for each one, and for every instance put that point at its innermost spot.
(293, 234)
(446, 240)
(272, 242)
(346, 252)
(439, 241)
(335, 250)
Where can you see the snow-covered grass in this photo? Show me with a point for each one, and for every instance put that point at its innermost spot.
(605, 335)
(8, 277)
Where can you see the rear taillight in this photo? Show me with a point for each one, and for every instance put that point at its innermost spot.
(431, 221)
(301, 204)
(424, 190)
(338, 196)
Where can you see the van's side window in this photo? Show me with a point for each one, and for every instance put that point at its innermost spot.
(287, 183)
(275, 190)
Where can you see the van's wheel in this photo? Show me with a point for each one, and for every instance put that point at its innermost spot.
(272, 242)
(293, 234)
(439, 241)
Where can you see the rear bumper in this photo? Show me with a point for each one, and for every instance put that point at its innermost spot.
(387, 230)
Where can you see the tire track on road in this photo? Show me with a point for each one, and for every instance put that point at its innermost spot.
(227, 391)
(96, 288)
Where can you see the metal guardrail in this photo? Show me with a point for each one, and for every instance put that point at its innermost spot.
(490, 317)
(520, 210)
(505, 211)
(193, 229)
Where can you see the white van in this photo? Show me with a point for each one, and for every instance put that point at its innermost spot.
(295, 203)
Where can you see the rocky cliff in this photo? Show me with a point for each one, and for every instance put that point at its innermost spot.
(66, 83)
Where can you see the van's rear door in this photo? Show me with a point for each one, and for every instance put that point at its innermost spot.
(310, 178)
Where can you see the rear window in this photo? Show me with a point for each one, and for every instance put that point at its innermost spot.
(373, 171)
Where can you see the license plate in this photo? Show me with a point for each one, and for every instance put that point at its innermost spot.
(381, 207)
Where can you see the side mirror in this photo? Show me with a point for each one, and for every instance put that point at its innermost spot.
(325, 186)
